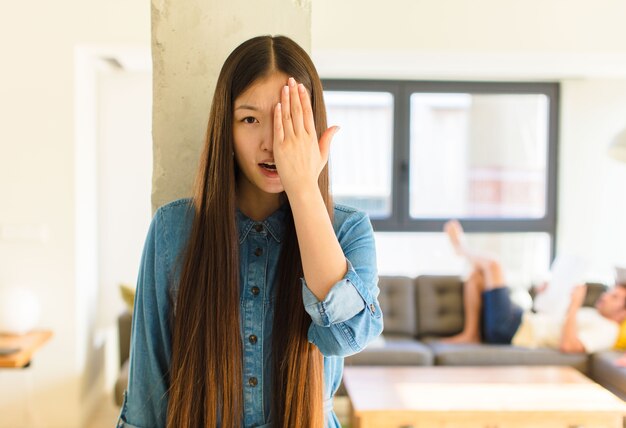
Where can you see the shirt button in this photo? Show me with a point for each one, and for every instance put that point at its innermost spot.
(258, 227)
(372, 308)
(255, 290)
(258, 252)
(252, 339)
(252, 381)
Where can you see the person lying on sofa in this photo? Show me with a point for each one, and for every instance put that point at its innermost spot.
(486, 301)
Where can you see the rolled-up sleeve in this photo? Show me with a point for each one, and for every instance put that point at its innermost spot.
(145, 400)
(349, 317)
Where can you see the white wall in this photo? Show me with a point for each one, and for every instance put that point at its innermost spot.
(592, 198)
(583, 47)
(124, 184)
(476, 26)
(479, 39)
(37, 142)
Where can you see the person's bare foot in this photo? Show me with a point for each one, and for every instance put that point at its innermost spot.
(455, 233)
(462, 337)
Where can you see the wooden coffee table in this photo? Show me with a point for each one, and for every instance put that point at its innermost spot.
(483, 397)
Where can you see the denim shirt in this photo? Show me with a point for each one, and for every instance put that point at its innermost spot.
(343, 324)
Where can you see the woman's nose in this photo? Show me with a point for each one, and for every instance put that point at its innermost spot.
(267, 138)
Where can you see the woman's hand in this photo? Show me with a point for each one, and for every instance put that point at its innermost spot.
(298, 154)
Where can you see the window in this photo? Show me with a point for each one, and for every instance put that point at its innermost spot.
(414, 154)
(367, 142)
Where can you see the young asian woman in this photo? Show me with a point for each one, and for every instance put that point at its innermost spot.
(251, 293)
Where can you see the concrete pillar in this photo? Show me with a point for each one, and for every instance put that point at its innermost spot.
(190, 41)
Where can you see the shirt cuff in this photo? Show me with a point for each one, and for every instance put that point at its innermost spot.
(342, 302)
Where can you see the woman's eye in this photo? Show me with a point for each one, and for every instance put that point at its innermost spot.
(249, 120)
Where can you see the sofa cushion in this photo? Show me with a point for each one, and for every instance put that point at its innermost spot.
(439, 303)
(396, 302)
(503, 355)
(397, 351)
(605, 372)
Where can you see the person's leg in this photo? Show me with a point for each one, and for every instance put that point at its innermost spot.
(487, 275)
(486, 264)
(472, 305)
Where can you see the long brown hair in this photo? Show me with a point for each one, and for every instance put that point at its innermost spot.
(206, 365)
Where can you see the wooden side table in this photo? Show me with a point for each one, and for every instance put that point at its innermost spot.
(27, 344)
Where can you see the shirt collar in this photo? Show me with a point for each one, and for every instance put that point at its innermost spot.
(275, 223)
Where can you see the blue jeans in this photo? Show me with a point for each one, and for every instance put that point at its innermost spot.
(501, 317)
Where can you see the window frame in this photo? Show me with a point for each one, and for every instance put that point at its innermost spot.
(401, 90)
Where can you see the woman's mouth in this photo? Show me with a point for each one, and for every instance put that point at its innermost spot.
(268, 169)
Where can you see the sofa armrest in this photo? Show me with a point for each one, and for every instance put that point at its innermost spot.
(606, 373)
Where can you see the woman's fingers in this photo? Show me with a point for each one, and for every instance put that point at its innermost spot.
(297, 115)
(285, 108)
(279, 132)
(296, 107)
(307, 110)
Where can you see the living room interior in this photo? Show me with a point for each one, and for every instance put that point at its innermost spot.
(91, 146)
